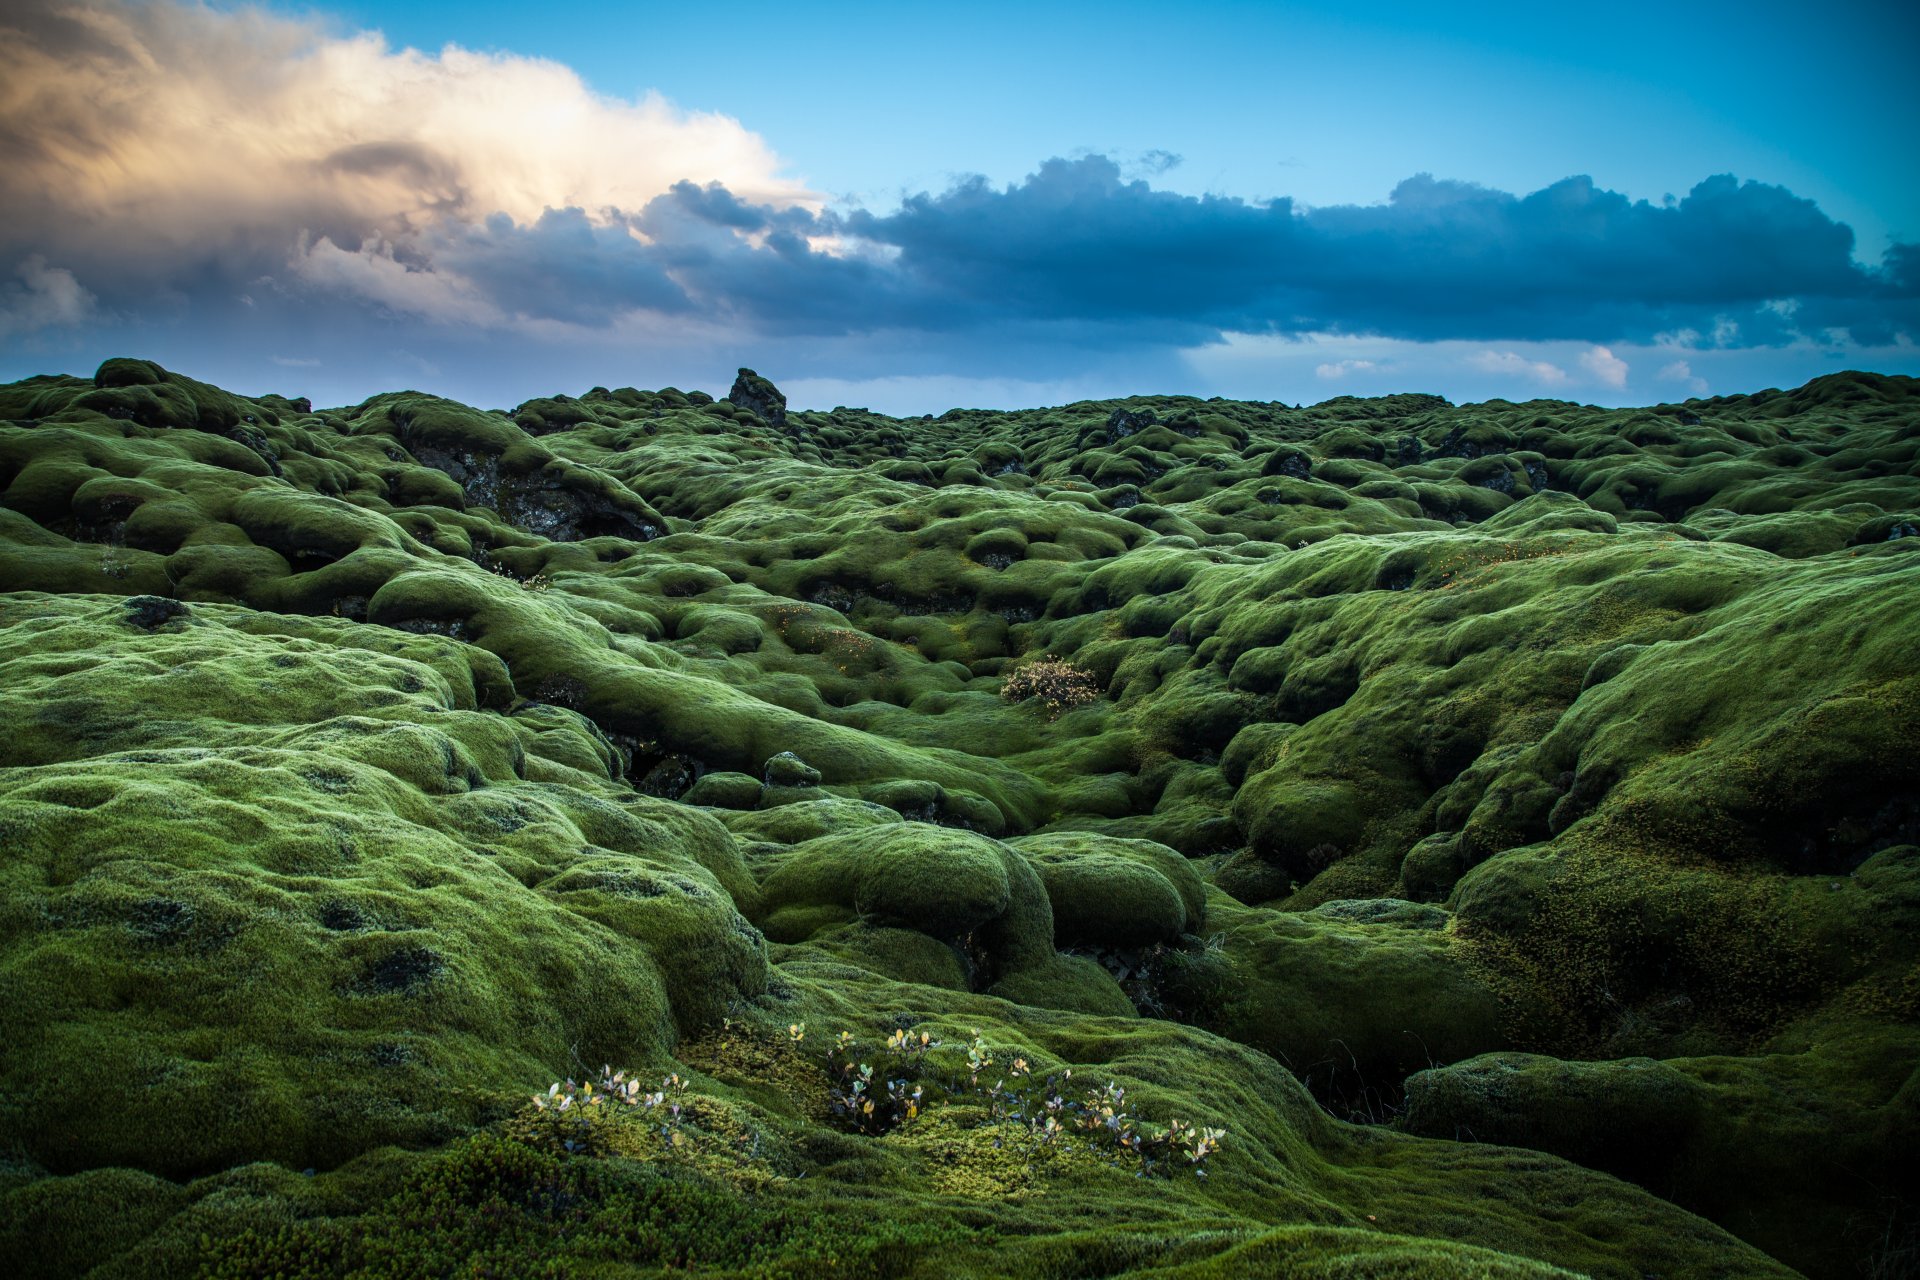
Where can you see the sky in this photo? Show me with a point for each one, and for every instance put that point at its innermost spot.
(914, 208)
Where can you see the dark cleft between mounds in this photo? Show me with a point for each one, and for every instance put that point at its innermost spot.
(1837, 835)
(333, 782)
(1181, 981)
(1288, 461)
(344, 917)
(160, 920)
(668, 775)
(400, 972)
(163, 921)
(391, 1054)
(566, 507)
(550, 510)
(104, 519)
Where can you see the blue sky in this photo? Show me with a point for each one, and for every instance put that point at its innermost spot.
(980, 205)
(1327, 103)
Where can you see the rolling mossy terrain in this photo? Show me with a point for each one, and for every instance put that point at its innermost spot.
(1501, 821)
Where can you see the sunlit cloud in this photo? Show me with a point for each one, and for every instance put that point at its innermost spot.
(1604, 367)
(157, 138)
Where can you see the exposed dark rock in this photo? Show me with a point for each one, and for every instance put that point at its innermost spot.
(1122, 423)
(152, 612)
(756, 394)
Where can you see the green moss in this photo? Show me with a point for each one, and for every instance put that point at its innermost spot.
(949, 885)
(1116, 892)
(362, 769)
(1072, 983)
(69, 1226)
(1339, 1253)
(725, 791)
(1352, 1002)
(1724, 1136)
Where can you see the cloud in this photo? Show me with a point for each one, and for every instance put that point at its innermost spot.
(44, 297)
(1270, 367)
(1681, 372)
(1078, 248)
(1605, 367)
(1513, 364)
(564, 267)
(1151, 164)
(241, 176)
(162, 143)
(1439, 260)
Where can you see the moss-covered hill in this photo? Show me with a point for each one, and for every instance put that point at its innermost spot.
(1500, 820)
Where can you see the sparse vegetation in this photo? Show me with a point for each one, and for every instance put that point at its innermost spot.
(1060, 686)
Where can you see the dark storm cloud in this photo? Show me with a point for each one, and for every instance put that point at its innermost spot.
(1439, 260)
(1076, 248)
(688, 203)
(564, 267)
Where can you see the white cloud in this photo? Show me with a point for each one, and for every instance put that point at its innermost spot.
(1605, 367)
(1336, 369)
(46, 297)
(1513, 364)
(1682, 372)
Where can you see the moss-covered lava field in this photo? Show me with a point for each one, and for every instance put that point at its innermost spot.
(1437, 840)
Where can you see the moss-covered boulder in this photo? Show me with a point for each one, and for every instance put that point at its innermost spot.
(967, 891)
(1115, 892)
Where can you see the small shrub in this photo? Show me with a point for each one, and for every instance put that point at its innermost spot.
(1059, 684)
(578, 1119)
(538, 583)
(875, 1104)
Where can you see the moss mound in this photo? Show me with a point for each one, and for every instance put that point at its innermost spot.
(1498, 819)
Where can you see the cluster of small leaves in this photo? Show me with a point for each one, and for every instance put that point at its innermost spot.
(876, 1097)
(1050, 1113)
(871, 1102)
(1057, 683)
(573, 1117)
